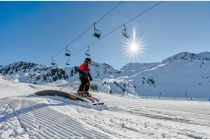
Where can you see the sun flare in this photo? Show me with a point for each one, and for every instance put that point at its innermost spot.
(133, 47)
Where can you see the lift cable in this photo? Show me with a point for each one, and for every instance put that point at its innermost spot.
(89, 27)
(140, 14)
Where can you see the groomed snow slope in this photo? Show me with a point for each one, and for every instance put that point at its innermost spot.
(56, 117)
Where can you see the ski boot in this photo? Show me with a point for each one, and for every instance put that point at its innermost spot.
(82, 93)
(88, 94)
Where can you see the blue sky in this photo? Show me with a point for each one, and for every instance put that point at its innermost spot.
(35, 31)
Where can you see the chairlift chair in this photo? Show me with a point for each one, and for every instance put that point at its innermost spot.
(87, 52)
(96, 33)
(124, 32)
(52, 62)
(67, 63)
(67, 52)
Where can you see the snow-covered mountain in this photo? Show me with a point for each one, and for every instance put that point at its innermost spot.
(188, 57)
(119, 85)
(182, 75)
(39, 74)
(137, 67)
(33, 73)
(103, 70)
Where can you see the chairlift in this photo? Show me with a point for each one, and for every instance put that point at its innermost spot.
(87, 52)
(67, 52)
(96, 33)
(52, 62)
(68, 61)
(124, 32)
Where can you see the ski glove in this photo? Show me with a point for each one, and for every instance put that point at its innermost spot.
(90, 77)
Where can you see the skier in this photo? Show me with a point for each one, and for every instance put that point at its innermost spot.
(85, 77)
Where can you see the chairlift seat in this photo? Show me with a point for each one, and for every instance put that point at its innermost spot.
(125, 34)
(52, 61)
(67, 64)
(97, 34)
(67, 54)
(87, 54)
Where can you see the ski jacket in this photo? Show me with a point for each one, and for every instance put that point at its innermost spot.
(84, 72)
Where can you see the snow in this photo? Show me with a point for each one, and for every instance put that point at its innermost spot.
(133, 68)
(124, 115)
(188, 56)
(117, 86)
(33, 73)
(175, 79)
(28, 116)
(11, 88)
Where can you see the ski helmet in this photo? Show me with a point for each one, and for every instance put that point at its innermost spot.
(87, 60)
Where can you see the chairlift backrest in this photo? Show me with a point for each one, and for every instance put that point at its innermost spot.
(96, 33)
(124, 32)
(67, 53)
(87, 54)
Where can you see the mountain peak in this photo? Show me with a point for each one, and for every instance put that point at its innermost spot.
(33, 73)
(188, 56)
(205, 54)
(23, 63)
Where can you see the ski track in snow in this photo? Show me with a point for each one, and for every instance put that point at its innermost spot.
(23, 118)
(127, 121)
(56, 117)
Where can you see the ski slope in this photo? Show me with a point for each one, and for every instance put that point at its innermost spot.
(30, 116)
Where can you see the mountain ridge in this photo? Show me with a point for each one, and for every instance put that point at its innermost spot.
(178, 75)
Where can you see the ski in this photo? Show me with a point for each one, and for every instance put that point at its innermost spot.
(93, 100)
(87, 98)
(99, 103)
(80, 97)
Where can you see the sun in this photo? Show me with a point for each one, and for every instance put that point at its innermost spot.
(133, 47)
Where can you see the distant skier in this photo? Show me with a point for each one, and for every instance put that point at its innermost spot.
(85, 77)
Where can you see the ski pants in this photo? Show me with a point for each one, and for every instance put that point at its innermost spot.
(85, 84)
